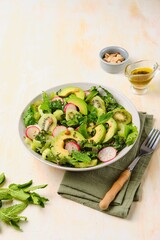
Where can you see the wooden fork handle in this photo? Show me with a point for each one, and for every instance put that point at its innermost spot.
(116, 187)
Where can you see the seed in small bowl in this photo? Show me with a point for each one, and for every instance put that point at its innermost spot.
(113, 57)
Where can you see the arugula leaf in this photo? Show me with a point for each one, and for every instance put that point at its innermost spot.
(2, 178)
(10, 215)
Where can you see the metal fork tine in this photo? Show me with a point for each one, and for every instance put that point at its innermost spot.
(147, 147)
(156, 140)
(149, 135)
(151, 139)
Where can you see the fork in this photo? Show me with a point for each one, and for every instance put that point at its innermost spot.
(147, 147)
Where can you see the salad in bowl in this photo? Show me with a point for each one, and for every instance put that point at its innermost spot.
(79, 126)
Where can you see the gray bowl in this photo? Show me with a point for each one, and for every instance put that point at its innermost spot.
(113, 67)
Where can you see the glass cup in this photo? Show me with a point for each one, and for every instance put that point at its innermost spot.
(140, 75)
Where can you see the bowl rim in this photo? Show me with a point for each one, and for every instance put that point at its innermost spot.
(119, 95)
(104, 50)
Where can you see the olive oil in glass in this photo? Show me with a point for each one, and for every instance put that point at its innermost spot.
(140, 75)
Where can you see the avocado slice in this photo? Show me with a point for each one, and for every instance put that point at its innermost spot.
(100, 133)
(80, 103)
(84, 165)
(58, 143)
(69, 90)
(111, 130)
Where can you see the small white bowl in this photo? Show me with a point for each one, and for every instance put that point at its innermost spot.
(113, 67)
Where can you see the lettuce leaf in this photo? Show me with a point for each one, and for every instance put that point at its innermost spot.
(46, 103)
(132, 136)
(29, 116)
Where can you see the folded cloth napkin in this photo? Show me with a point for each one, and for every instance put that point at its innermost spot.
(88, 188)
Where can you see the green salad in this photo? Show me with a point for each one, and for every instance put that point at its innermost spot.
(78, 128)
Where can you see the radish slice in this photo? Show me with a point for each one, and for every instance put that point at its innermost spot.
(72, 146)
(57, 130)
(57, 98)
(69, 106)
(32, 131)
(106, 154)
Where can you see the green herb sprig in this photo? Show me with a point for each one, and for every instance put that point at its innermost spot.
(25, 193)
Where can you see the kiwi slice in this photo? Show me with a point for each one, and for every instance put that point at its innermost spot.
(122, 115)
(71, 113)
(98, 102)
(47, 122)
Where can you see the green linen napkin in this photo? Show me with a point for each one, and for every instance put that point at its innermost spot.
(88, 188)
